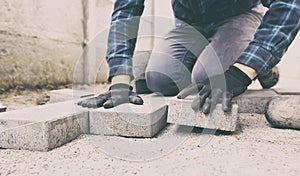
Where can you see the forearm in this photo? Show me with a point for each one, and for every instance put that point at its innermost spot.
(250, 72)
(122, 36)
(278, 29)
(123, 79)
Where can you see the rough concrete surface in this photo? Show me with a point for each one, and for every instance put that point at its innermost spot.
(257, 149)
(42, 128)
(254, 101)
(180, 112)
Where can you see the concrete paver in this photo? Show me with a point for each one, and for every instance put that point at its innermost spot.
(130, 120)
(42, 128)
(180, 112)
(67, 94)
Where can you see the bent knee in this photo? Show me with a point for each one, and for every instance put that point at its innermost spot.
(161, 84)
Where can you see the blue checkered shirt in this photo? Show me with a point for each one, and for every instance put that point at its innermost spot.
(277, 30)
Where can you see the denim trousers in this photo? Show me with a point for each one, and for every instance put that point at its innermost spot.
(192, 53)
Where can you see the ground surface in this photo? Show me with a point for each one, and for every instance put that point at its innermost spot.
(255, 149)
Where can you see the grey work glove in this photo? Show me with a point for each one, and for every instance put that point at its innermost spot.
(219, 88)
(117, 94)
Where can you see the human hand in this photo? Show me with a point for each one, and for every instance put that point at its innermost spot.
(219, 88)
(117, 94)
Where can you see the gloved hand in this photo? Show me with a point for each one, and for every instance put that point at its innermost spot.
(117, 94)
(219, 88)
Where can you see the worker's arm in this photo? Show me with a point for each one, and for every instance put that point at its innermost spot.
(122, 38)
(278, 29)
(121, 45)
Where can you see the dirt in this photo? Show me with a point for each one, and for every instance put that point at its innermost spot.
(20, 97)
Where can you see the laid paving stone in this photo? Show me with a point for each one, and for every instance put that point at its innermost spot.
(287, 91)
(131, 120)
(254, 101)
(67, 94)
(180, 112)
(284, 112)
(42, 128)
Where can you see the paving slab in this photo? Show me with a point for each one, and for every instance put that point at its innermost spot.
(254, 101)
(42, 128)
(180, 112)
(131, 120)
(284, 112)
(67, 94)
(287, 91)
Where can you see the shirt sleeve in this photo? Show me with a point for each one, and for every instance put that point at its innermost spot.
(122, 36)
(276, 32)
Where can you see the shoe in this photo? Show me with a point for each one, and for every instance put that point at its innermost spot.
(269, 79)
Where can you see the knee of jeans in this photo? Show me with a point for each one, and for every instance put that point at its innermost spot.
(161, 84)
(198, 76)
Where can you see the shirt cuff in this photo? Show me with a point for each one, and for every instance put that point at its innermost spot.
(120, 66)
(258, 58)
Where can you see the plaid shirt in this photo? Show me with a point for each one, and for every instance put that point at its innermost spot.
(277, 30)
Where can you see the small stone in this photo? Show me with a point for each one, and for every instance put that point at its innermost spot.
(284, 112)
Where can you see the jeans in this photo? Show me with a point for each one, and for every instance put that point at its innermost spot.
(191, 53)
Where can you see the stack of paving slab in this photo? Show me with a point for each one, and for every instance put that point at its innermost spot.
(46, 127)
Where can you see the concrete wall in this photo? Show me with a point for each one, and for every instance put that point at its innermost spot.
(41, 41)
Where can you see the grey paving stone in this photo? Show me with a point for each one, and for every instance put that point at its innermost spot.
(42, 128)
(287, 91)
(130, 120)
(254, 101)
(67, 94)
(284, 112)
(180, 112)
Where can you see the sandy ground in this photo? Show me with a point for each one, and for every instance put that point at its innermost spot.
(255, 149)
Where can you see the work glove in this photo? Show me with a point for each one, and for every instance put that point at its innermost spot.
(217, 89)
(117, 94)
